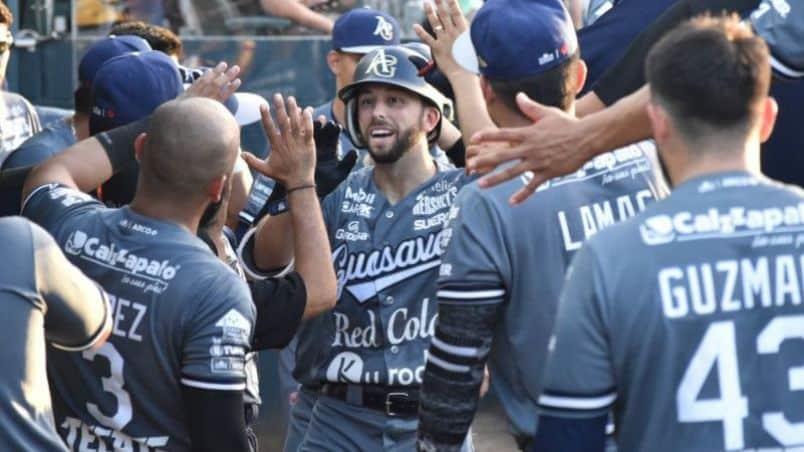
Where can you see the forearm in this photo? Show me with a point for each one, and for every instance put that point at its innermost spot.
(621, 124)
(312, 251)
(84, 166)
(241, 186)
(473, 116)
(454, 373)
(274, 242)
(449, 136)
(295, 11)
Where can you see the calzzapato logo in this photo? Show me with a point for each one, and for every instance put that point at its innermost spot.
(88, 247)
(715, 223)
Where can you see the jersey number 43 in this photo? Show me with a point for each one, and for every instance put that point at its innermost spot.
(718, 350)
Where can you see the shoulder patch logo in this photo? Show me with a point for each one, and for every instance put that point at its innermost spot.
(234, 319)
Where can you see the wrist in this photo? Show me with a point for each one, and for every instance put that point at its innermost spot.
(459, 75)
(298, 182)
(299, 188)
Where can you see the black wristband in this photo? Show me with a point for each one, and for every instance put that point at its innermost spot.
(119, 143)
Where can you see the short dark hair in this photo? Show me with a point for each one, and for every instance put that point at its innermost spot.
(5, 15)
(159, 38)
(555, 87)
(710, 74)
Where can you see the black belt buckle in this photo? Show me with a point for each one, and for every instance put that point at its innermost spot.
(389, 401)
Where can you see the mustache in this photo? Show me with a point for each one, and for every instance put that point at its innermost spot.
(380, 123)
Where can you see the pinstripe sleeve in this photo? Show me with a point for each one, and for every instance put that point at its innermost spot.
(579, 377)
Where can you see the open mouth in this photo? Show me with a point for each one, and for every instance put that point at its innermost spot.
(380, 132)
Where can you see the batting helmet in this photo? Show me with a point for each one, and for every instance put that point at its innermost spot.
(392, 65)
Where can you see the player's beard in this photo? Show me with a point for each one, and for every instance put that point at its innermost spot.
(213, 214)
(403, 143)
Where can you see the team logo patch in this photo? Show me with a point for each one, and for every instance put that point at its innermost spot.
(384, 29)
(383, 65)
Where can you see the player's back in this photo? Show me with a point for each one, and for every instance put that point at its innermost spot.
(180, 318)
(704, 317)
(530, 246)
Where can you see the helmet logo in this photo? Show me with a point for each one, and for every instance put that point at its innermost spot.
(384, 29)
(382, 65)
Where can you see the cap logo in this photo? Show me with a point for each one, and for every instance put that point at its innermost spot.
(382, 65)
(384, 29)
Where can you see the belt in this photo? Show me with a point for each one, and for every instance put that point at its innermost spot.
(393, 401)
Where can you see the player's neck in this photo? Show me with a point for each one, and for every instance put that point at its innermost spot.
(159, 208)
(396, 180)
(740, 158)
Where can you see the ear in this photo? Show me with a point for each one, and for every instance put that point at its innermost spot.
(216, 188)
(488, 92)
(430, 118)
(139, 145)
(770, 110)
(581, 71)
(333, 61)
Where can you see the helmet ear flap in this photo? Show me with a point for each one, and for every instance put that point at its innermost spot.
(352, 124)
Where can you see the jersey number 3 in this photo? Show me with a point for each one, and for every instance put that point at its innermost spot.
(718, 350)
(112, 384)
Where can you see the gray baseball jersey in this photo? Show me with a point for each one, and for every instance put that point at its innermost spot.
(517, 256)
(386, 260)
(781, 24)
(39, 291)
(687, 320)
(181, 317)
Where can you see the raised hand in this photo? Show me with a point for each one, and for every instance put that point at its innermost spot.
(218, 83)
(448, 23)
(541, 148)
(293, 153)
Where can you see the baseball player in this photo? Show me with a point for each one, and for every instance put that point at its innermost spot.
(40, 292)
(361, 364)
(502, 270)
(171, 376)
(693, 335)
(354, 34)
(558, 145)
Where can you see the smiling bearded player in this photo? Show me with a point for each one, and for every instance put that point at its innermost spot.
(361, 364)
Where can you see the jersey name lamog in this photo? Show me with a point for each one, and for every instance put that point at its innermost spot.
(731, 285)
(592, 218)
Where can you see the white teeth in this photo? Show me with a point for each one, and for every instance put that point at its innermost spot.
(381, 133)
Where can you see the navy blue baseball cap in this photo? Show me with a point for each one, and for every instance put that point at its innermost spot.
(130, 87)
(106, 49)
(516, 39)
(362, 30)
(97, 54)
